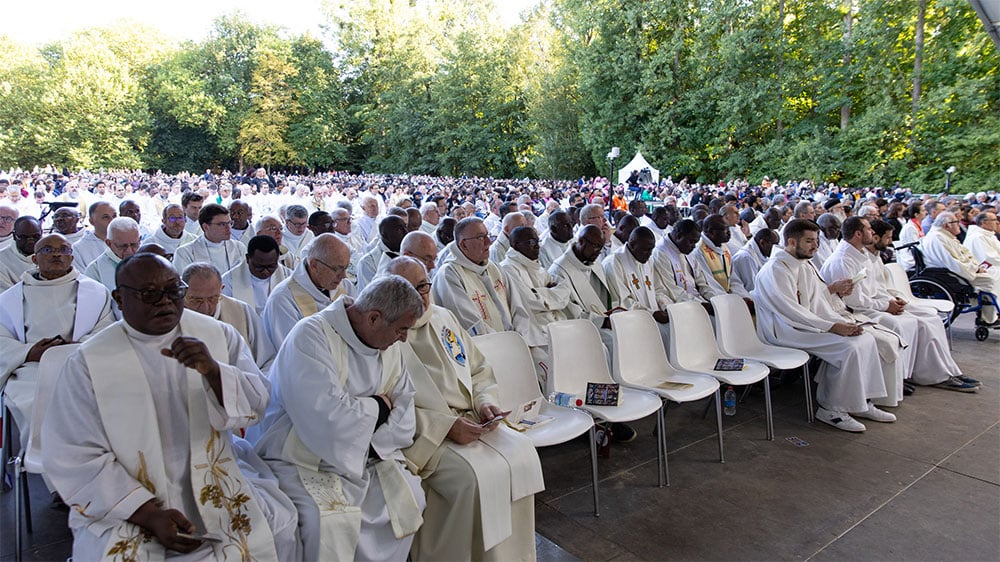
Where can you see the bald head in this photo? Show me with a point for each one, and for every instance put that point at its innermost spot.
(421, 246)
(512, 221)
(151, 248)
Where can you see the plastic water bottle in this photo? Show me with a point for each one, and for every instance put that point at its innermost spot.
(565, 399)
(729, 402)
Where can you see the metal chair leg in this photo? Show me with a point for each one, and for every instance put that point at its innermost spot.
(18, 482)
(26, 501)
(663, 437)
(718, 421)
(767, 406)
(807, 378)
(661, 448)
(8, 434)
(593, 468)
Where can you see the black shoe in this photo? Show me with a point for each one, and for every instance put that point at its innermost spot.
(969, 380)
(908, 388)
(622, 433)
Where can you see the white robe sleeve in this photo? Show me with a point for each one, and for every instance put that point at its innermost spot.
(280, 316)
(245, 391)
(397, 432)
(13, 353)
(744, 269)
(617, 280)
(778, 289)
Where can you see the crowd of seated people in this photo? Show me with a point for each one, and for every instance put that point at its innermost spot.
(298, 352)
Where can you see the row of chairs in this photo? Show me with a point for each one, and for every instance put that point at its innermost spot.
(641, 366)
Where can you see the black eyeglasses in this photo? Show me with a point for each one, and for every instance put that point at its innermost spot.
(154, 296)
(336, 269)
(424, 288)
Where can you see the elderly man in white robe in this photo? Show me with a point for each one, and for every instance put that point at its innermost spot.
(8, 214)
(17, 258)
(731, 214)
(537, 298)
(981, 240)
(204, 296)
(171, 234)
(341, 414)
(296, 234)
(633, 283)
(941, 248)
(795, 308)
(214, 246)
(751, 257)
(420, 246)
(123, 240)
(594, 215)
(391, 231)
(479, 478)
(271, 226)
(499, 247)
(558, 240)
(91, 246)
(430, 216)
(316, 282)
(927, 361)
(672, 266)
(66, 221)
(471, 286)
(712, 257)
(253, 280)
(51, 305)
(138, 436)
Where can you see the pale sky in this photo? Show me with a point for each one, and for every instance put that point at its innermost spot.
(37, 22)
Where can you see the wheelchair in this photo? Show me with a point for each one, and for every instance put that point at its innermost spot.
(941, 283)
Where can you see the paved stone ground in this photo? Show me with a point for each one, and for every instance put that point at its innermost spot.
(924, 488)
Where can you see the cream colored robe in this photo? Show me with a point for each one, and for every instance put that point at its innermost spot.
(12, 265)
(223, 255)
(476, 294)
(240, 284)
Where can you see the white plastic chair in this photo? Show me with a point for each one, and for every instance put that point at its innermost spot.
(737, 337)
(641, 362)
(30, 460)
(514, 370)
(578, 358)
(693, 348)
(901, 283)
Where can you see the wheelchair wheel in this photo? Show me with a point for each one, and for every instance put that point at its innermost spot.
(924, 288)
(982, 332)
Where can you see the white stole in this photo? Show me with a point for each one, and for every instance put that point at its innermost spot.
(90, 298)
(493, 306)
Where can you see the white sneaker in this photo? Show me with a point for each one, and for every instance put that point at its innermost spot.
(874, 414)
(841, 420)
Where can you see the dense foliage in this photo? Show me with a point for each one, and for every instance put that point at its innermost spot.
(862, 92)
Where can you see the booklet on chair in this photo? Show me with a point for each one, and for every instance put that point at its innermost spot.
(527, 416)
(729, 365)
(602, 394)
(672, 385)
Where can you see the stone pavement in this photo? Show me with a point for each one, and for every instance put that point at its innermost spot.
(924, 488)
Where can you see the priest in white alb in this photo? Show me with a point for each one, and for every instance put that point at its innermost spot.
(557, 240)
(391, 231)
(751, 257)
(713, 258)
(123, 240)
(671, 264)
(91, 245)
(537, 298)
(17, 258)
(171, 234)
(471, 286)
(341, 414)
(253, 280)
(499, 247)
(215, 244)
(138, 439)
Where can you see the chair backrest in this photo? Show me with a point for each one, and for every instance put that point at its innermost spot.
(49, 368)
(899, 280)
(735, 333)
(692, 340)
(577, 357)
(512, 366)
(638, 355)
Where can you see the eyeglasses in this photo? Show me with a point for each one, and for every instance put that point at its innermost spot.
(953, 222)
(126, 246)
(27, 237)
(226, 224)
(270, 229)
(348, 219)
(61, 250)
(7, 219)
(336, 269)
(424, 288)
(177, 219)
(482, 238)
(198, 301)
(297, 224)
(154, 296)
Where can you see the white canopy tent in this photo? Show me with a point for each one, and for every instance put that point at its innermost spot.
(638, 163)
(989, 13)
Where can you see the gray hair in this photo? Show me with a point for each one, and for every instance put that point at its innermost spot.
(345, 205)
(260, 222)
(296, 212)
(122, 225)
(200, 269)
(391, 295)
(589, 210)
(428, 206)
(943, 218)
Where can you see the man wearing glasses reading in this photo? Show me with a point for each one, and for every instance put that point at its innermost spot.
(51, 305)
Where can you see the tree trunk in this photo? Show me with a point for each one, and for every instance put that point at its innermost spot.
(918, 58)
(845, 110)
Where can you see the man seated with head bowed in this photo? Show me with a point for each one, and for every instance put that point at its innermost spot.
(712, 257)
(296, 234)
(315, 283)
(320, 222)
(171, 233)
(123, 240)
(204, 296)
(17, 258)
(443, 237)
(536, 297)
(91, 245)
(138, 437)
(51, 304)
(420, 246)
(215, 245)
(391, 231)
(634, 284)
(480, 481)
(430, 216)
(499, 247)
(471, 286)
(253, 280)
(271, 226)
(593, 214)
(340, 416)
(623, 230)
(8, 214)
(796, 308)
(557, 240)
(672, 265)
(730, 213)
(751, 257)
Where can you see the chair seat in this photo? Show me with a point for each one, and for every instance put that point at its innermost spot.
(941, 305)
(635, 404)
(566, 424)
(703, 386)
(779, 357)
(751, 373)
